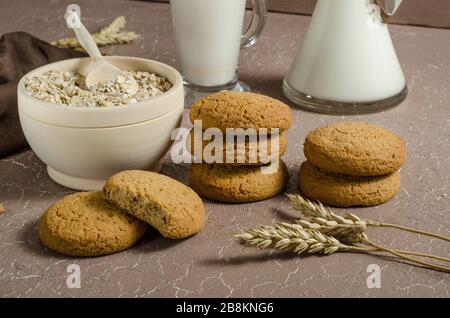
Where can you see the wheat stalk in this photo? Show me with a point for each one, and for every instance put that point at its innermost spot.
(408, 229)
(316, 210)
(293, 237)
(324, 232)
(345, 232)
(319, 217)
(108, 35)
(280, 237)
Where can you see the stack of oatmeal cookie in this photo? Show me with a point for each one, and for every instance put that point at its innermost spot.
(351, 163)
(237, 150)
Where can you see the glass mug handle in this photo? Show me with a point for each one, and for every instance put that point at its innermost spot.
(256, 25)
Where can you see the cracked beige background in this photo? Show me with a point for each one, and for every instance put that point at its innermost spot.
(211, 263)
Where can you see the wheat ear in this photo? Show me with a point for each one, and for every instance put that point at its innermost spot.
(325, 232)
(317, 210)
(293, 237)
(324, 216)
(108, 35)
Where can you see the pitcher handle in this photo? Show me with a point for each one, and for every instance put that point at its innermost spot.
(256, 25)
(388, 8)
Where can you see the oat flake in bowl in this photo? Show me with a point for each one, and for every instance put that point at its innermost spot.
(69, 88)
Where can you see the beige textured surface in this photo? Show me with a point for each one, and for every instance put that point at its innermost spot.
(211, 263)
(241, 110)
(174, 209)
(343, 190)
(249, 153)
(355, 148)
(84, 224)
(236, 183)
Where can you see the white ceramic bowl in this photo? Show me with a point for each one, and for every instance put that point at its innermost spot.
(83, 146)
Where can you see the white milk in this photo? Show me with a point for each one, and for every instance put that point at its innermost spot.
(347, 55)
(208, 37)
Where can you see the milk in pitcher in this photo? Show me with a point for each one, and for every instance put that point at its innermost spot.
(347, 56)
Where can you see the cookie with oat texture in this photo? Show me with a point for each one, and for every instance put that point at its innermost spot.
(84, 224)
(171, 207)
(229, 109)
(355, 148)
(249, 152)
(237, 184)
(343, 190)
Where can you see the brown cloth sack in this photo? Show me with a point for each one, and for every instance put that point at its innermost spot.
(20, 53)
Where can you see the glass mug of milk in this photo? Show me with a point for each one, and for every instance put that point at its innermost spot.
(209, 38)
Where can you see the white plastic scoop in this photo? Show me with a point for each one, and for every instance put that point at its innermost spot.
(100, 71)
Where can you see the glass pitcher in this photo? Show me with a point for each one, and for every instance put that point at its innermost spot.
(347, 62)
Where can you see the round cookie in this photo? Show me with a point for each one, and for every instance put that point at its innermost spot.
(261, 154)
(171, 207)
(355, 148)
(236, 184)
(229, 109)
(344, 190)
(84, 224)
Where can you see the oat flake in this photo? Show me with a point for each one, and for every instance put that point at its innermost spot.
(69, 88)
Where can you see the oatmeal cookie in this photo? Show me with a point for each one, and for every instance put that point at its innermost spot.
(228, 109)
(84, 224)
(171, 207)
(254, 153)
(344, 190)
(355, 148)
(236, 184)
